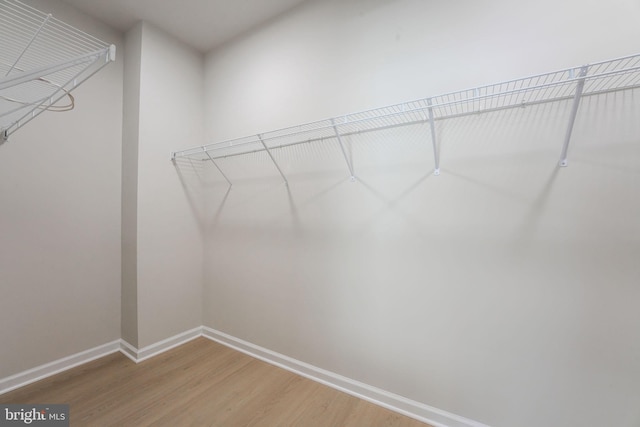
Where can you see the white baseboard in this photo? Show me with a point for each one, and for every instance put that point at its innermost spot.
(43, 371)
(419, 411)
(128, 350)
(139, 355)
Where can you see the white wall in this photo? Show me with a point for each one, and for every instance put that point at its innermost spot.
(169, 237)
(503, 290)
(101, 232)
(60, 220)
(130, 142)
(333, 57)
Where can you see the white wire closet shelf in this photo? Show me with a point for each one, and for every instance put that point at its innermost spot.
(569, 84)
(42, 60)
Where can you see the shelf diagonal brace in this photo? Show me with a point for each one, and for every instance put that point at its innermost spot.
(217, 167)
(572, 117)
(272, 159)
(434, 142)
(35, 36)
(344, 151)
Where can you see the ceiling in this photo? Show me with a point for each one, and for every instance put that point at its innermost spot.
(203, 24)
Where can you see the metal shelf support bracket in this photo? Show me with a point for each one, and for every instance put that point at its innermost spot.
(344, 152)
(273, 159)
(572, 116)
(217, 167)
(432, 124)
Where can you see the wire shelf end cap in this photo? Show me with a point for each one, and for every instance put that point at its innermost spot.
(112, 53)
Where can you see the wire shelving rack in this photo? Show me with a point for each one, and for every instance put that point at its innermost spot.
(571, 84)
(42, 60)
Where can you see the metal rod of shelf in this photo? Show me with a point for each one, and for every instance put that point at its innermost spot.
(344, 152)
(573, 114)
(17, 79)
(432, 125)
(217, 167)
(273, 159)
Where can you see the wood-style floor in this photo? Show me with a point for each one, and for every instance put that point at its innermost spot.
(201, 383)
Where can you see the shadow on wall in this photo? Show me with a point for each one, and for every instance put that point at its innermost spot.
(604, 151)
(501, 157)
(193, 177)
(392, 203)
(218, 211)
(271, 204)
(527, 229)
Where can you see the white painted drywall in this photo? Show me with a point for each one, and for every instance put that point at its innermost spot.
(130, 141)
(60, 220)
(504, 290)
(169, 212)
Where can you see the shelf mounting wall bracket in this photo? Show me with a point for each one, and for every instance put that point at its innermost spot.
(216, 165)
(112, 54)
(432, 124)
(344, 152)
(572, 116)
(272, 159)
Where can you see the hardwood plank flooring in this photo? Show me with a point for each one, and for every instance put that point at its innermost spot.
(201, 383)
